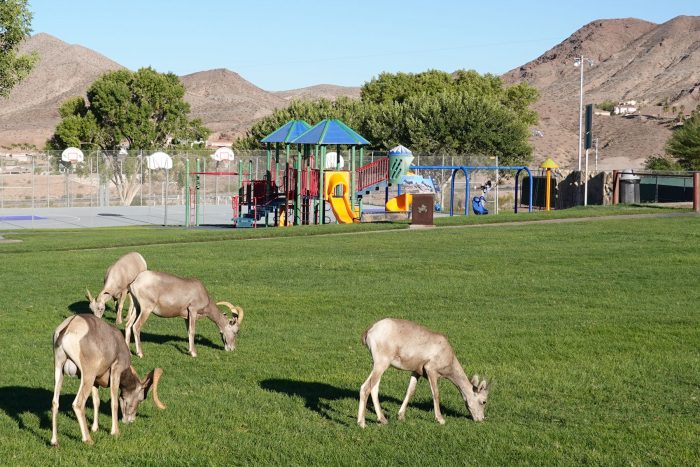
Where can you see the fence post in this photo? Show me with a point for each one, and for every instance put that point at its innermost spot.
(696, 192)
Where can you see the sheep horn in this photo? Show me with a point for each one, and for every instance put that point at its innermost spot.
(157, 373)
(235, 311)
(88, 295)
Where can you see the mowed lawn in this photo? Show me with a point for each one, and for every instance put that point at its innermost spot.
(589, 330)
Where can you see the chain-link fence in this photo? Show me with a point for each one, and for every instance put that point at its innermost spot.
(120, 178)
(112, 178)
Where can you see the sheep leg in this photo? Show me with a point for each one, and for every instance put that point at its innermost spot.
(433, 379)
(143, 316)
(95, 408)
(191, 323)
(120, 306)
(115, 379)
(86, 383)
(371, 386)
(59, 359)
(132, 308)
(130, 319)
(409, 393)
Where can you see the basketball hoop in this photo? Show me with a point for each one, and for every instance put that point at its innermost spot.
(223, 154)
(72, 155)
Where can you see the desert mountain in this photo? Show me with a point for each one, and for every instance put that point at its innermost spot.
(226, 103)
(326, 91)
(30, 114)
(633, 60)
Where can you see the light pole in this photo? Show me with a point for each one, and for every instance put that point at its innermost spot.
(579, 62)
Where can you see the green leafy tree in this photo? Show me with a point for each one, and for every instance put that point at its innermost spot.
(15, 25)
(684, 144)
(430, 112)
(144, 110)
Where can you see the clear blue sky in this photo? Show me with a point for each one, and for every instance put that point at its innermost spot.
(280, 45)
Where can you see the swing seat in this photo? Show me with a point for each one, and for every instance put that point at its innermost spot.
(479, 205)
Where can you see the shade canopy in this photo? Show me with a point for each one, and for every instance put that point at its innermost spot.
(549, 164)
(331, 131)
(287, 132)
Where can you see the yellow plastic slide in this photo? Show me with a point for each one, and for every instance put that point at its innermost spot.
(399, 203)
(342, 210)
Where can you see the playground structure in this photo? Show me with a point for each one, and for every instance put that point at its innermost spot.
(303, 185)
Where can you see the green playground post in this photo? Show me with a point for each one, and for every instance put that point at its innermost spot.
(321, 192)
(353, 181)
(250, 185)
(238, 188)
(297, 200)
(196, 195)
(187, 192)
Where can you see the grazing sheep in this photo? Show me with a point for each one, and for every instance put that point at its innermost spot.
(116, 284)
(409, 346)
(170, 296)
(88, 347)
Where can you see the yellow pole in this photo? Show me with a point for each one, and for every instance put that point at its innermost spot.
(546, 194)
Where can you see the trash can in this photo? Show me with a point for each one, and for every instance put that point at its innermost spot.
(422, 209)
(629, 187)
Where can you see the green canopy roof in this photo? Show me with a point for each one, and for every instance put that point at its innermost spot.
(331, 131)
(287, 132)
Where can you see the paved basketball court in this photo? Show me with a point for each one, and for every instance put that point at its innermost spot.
(68, 218)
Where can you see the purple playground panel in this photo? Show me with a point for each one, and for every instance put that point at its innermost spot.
(21, 218)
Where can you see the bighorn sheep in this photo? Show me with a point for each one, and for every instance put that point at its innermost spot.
(88, 347)
(408, 346)
(170, 296)
(116, 284)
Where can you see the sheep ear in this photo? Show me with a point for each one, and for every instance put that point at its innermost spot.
(475, 380)
(483, 385)
(88, 295)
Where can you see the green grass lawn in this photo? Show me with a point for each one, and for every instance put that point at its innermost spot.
(589, 330)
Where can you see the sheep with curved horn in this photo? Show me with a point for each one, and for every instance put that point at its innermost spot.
(87, 347)
(169, 296)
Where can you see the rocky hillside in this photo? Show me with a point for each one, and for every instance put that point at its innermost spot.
(30, 114)
(658, 66)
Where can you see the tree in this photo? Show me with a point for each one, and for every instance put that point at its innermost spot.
(431, 112)
(144, 110)
(15, 25)
(684, 143)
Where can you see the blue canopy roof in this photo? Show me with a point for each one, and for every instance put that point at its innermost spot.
(287, 132)
(331, 132)
(400, 151)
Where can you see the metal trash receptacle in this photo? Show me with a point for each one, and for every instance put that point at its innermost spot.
(629, 187)
(422, 209)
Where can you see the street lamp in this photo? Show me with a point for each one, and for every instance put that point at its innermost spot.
(579, 62)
